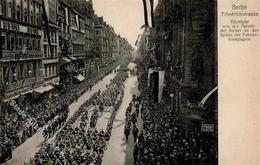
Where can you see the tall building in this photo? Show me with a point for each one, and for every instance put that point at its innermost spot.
(21, 57)
(102, 41)
(89, 37)
(78, 41)
(65, 47)
(183, 44)
(51, 58)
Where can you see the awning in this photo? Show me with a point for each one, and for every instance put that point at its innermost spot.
(43, 89)
(79, 77)
(73, 58)
(65, 60)
(17, 96)
(202, 102)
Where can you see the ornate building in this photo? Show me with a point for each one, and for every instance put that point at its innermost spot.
(51, 61)
(21, 57)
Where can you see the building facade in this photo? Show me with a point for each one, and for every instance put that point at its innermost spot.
(89, 38)
(183, 44)
(21, 57)
(81, 43)
(102, 49)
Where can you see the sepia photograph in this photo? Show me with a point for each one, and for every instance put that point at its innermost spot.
(108, 82)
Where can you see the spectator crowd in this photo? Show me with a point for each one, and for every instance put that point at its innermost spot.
(165, 141)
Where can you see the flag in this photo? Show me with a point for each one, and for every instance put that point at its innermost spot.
(145, 13)
(46, 24)
(138, 39)
(147, 41)
(67, 16)
(150, 71)
(152, 15)
(156, 83)
(77, 21)
(148, 17)
(143, 26)
(161, 85)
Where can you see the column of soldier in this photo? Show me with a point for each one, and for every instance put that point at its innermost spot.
(15, 130)
(83, 144)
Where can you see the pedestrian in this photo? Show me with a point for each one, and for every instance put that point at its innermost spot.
(135, 132)
(134, 118)
(136, 149)
(126, 131)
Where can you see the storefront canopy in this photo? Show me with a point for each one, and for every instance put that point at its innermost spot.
(80, 78)
(65, 60)
(73, 58)
(17, 96)
(43, 89)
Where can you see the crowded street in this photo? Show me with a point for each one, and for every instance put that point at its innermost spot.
(83, 82)
(28, 149)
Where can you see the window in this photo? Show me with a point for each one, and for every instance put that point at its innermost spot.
(45, 50)
(14, 74)
(25, 15)
(53, 69)
(12, 43)
(37, 19)
(50, 70)
(10, 10)
(33, 45)
(34, 69)
(45, 68)
(39, 44)
(3, 42)
(27, 42)
(45, 36)
(21, 71)
(32, 21)
(5, 74)
(18, 13)
(1, 7)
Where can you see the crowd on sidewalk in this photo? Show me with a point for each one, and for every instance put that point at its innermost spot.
(50, 109)
(82, 144)
(165, 141)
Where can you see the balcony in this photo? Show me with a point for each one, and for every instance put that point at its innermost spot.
(21, 55)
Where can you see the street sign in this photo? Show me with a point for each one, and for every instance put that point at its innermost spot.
(207, 127)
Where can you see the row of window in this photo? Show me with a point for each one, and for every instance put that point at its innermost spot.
(21, 71)
(22, 10)
(47, 53)
(50, 70)
(20, 41)
(78, 49)
(53, 36)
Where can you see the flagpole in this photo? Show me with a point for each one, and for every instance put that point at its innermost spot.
(145, 13)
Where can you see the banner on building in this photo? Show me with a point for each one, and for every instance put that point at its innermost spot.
(148, 16)
(161, 85)
(156, 83)
(67, 16)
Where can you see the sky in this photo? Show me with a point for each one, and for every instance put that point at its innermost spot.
(126, 16)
